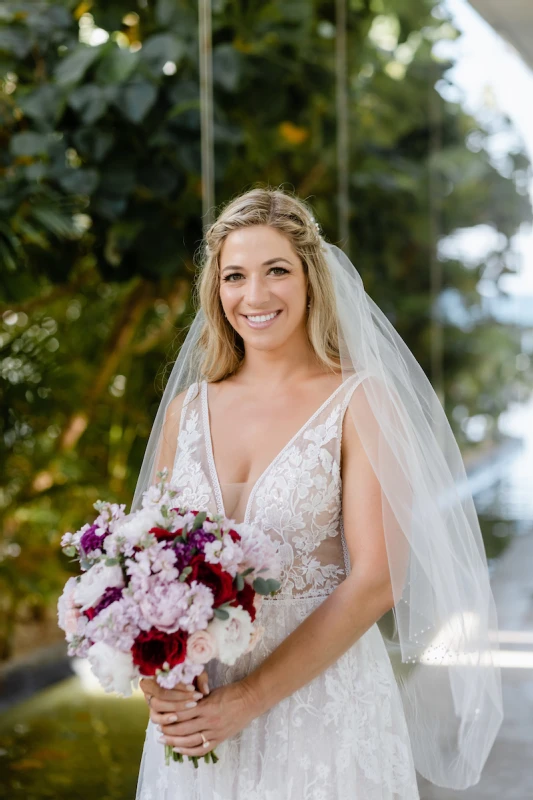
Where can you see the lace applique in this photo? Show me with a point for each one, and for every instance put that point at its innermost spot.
(187, 472)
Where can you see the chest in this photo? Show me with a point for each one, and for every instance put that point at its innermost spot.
(300, 471)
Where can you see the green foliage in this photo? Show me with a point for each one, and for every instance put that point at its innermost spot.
(100, 216)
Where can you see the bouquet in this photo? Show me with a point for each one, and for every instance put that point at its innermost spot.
(162, 591)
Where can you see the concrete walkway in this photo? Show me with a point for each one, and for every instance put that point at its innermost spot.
(508, 773)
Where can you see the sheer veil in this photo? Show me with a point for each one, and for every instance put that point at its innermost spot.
(442, 641)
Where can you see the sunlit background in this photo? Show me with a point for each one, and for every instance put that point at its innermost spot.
(419, 164)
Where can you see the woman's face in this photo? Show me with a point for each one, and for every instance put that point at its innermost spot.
(261, 276)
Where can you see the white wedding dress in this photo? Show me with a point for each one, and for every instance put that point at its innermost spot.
(343, 736)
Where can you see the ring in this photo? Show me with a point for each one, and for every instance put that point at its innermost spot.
(204, 740)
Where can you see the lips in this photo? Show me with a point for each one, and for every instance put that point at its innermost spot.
(265, 324)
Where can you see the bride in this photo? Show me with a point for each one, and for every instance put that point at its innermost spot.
(295, 407)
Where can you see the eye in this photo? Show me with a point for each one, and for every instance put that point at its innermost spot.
(228, 278)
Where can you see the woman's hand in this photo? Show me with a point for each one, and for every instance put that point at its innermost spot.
(221, 714)
(170, 705)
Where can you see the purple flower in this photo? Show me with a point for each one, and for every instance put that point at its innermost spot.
(183, 554)
(110, 595)
(199, 538)
(90, 540)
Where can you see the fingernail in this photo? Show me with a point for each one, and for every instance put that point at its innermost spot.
(162, 739)
(177, 749)
(197, 696)
(190, 688)
(190, 705)
(172, 719)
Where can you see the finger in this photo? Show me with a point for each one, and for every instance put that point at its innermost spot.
(171, 717)
(195, 751)
(190, 701)
(203, 682)
(148, 685)
(189, 744)
(186, 727)
(182, 691)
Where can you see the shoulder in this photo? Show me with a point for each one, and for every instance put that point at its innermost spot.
(175, 407)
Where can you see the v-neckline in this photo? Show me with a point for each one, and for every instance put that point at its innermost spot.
(211, 459)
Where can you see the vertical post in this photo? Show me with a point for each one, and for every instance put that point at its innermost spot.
(205, 47)
(343, 169)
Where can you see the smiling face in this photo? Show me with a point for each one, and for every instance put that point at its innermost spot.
(262, 276)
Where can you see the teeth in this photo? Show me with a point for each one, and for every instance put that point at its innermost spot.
(263, 318)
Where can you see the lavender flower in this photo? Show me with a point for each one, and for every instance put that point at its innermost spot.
(185, 672)
(118, 625)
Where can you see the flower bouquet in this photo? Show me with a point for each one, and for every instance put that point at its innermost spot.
(162, 591)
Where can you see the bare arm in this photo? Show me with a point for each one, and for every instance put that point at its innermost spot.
(353, 607)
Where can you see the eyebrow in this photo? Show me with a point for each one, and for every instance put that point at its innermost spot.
(264, 264)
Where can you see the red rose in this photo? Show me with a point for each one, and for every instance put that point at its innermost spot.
(245, 598)
(161, 534)
(152, 648)
(234, 535)
(90, 613)
(214, 576)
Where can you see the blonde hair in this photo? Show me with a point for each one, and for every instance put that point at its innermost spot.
(222, 347)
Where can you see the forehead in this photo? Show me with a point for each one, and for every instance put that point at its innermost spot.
(255, 244)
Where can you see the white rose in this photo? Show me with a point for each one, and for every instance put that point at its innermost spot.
(94, 582)
(115, 670)
(232, 635)
(257, 634)
(65, 604)
(201, 647)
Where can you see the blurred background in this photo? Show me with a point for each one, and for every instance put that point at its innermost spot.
(408, 126)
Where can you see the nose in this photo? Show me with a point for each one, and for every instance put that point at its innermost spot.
(257, 292)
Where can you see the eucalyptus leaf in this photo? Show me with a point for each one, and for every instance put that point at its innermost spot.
(220, 613)
(239, 582)
(199, 520)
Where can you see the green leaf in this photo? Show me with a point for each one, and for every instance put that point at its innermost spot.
(29, 143)
(44, 104)
(116, 65)
(199, 520)
(70, 550)
(239, 582)
(136, 100)
(159, 49)
(184, 573)
(220, 613)
(15, 41)
(227, 66)
(90, 102)
(79, 181)
(111, 562)
(74, 66)
(264, 587)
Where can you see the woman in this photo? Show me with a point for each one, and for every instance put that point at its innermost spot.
(294, 406)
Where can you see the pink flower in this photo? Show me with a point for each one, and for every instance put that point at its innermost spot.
(72, 616)
(201, 647)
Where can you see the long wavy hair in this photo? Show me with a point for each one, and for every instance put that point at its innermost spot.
(222, 347)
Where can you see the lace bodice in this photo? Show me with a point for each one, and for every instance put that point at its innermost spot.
(296, 500)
